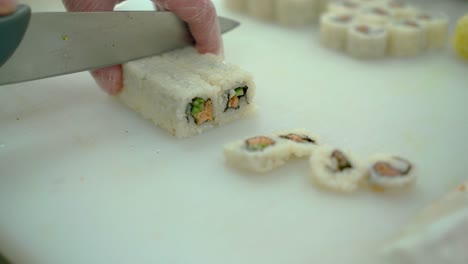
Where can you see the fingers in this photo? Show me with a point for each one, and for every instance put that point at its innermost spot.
(7, 7)
(90, 5)
(202, 19)
(110, 79)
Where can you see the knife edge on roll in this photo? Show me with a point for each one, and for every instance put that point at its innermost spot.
(56, 44)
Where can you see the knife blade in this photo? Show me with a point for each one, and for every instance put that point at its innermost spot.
(59, 43)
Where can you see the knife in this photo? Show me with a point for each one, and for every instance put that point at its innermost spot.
(42, 45)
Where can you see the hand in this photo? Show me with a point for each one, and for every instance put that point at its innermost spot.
(7, 7)
(200, 15)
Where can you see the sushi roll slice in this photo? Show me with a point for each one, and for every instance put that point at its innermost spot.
(367, 41)
(460, 40)
(406, 38)
(401, 9)
(235, 88)
(262, 9)
(344, 6)
(257, 154)
(295, 12)
(236, 5)
(378, 16)
(437, 26)
(172, 97)
(390, 172)
(334, 28)
(336, 170)
(302, 143)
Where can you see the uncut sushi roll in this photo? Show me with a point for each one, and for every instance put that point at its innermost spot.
(172, 97)
(378, 16)
(390, 172)
(234, 87)
(436, 28)
(334, 29)
(400, 9)
(302, 142)
(336, 170)
(406, 38)
(295, 12)
(262, 9)
(344, 6)
(257, 154)
(366, 41)
(236, 5)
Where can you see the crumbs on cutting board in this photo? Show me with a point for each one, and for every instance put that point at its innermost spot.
(330, 168)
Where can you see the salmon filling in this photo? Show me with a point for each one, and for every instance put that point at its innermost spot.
(380, 11)
(298, 138)
(201, 110)
(259, 143)
(343, 18)
(410, 23)
(340, 162)
(235, 96)
(387, 169)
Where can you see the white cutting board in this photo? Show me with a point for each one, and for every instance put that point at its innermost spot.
(85, 180)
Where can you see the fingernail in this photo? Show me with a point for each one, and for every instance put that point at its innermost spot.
(109, 79)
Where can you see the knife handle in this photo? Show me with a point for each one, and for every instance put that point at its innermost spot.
(12, 29)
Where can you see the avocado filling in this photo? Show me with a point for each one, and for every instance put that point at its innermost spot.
(201, 110)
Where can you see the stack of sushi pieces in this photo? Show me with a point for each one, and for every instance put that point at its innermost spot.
(187, 93)
(291, 13)
(370, 29)
(329, 167)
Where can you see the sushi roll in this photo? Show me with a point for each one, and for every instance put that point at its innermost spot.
(378, 16)
(235, 88)
(334, 29)
(336, 170)
(236, 5)
(460, 40)
(437, 26)
(262, 9)
(401, 9)
(367, 41)
(343, 6)
(390, 172)
(302, 143)
(172, 97)
(257, 154)
(295, 12)
(406, 38)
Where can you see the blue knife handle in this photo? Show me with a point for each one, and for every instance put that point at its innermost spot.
(12, 29)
